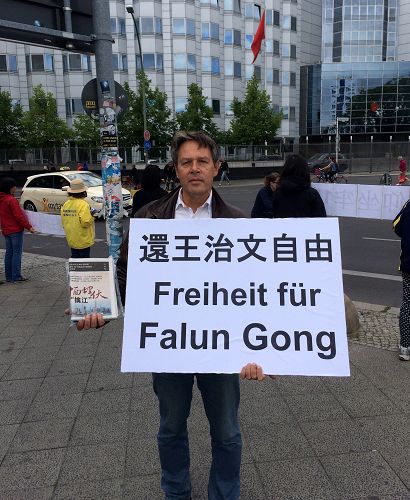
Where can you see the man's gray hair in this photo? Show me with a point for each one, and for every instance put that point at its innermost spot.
(200, 138)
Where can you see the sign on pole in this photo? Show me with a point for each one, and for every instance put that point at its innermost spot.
(147, 135)
(215, 294)
(147, 145)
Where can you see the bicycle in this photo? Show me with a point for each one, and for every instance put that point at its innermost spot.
(337, 178)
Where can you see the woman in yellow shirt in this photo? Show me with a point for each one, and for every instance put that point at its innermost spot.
(77, 220)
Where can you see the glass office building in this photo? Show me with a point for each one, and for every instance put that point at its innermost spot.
(375, 97)
(365, 71)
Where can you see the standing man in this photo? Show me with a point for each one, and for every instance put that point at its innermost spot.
(77, 220)
(195, 156)
(224, 167)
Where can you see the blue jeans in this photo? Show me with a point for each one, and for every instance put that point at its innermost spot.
(220, 395)
(12, 257)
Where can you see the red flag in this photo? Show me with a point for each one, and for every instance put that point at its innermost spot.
(259, 36)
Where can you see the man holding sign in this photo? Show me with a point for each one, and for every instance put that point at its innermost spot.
(195, 156)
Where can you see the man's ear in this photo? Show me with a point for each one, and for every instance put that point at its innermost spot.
(217, 167)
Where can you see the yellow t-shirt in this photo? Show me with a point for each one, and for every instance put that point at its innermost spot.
(78, 223)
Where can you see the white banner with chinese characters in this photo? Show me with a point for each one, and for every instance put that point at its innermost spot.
(211, 295)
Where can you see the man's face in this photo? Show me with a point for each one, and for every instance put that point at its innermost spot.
(196, 171)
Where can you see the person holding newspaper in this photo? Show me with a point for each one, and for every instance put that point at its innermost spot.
(196, 158)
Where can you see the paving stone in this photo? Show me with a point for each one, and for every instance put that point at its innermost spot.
(42, 434)
(12, 411)
(99, 381)
(28, 494)
(32, 469)
(46, 340)
(104, 490)
(36, 369)
(7, 433)
(44, 407)
(360, 474)
(70, 366)
(116, 401)
(33, 354)
(19, 389)
(63, 385)
(93, 463)
(100, 429)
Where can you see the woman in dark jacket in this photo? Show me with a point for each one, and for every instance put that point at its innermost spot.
(294, 196)
(263, 208)
(151, 188)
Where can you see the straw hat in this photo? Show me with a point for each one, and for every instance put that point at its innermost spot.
(76, 186)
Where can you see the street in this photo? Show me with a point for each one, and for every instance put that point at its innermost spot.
(370, 249)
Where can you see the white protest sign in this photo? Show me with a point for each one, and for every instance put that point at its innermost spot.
(210, 295)
(45, 223)
(339, 199)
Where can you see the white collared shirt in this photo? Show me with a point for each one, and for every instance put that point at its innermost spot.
(184, 212)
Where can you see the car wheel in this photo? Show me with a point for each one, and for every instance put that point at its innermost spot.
(29, 205)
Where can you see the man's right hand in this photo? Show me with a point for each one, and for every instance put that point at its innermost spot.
(94, 320)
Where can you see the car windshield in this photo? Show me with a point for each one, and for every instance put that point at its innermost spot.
(90, 179)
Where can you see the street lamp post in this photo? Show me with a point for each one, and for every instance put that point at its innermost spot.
(130, 10)
(342, 119)
(391, 138)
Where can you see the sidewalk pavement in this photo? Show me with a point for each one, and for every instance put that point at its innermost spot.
(73, 427)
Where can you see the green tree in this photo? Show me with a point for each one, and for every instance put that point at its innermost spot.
(197, 115)
(42, 125)
(159, 116)
(11, 129)
(254, 120)
(86, 131)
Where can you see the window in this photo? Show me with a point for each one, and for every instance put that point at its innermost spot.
(184, 62)
(248, 41)
(289, 23)
(232, 37)
(118, 26)
(150, 25)
(292, 113)
(253, 70)
(285, 78)
(45, 181)
(210, 65)
(216, 106)
(273, 17)
(182, 26)
(293, 51)
(272, 76)
(285, 112)
(233, 68)
(285, 50)
(228, 108)
(212, 2)
(76, 62)
(152, 62)
(292, 79)
(234, 5)
(119, 62)
(8, 63)
(40, 62)
(272, 46)
(180, 104)
(252, 11)
(210, 31)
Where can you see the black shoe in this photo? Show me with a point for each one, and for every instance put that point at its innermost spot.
(21, 279)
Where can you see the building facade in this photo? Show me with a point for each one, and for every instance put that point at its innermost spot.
(365, 72)
(207, 42)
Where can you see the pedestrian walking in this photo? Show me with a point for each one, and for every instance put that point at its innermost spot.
(295, 196)
(195, 156)
(150, 188)
(224, 169)
(170, 176)
(263, 206)
(78, 221)
(402, 165)
(13, 221)
(401, 226)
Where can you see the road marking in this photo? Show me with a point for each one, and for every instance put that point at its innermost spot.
(389, 277)
(380, 239)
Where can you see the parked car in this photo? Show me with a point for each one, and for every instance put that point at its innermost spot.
(269, 157)
(47, 192)
(320, 160)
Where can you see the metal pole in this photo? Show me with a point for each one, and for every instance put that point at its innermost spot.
(350, 154)
(371, 154)
(337, 140)
(110, 160)
(67, 16)
(130, 10)
(391, 138)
